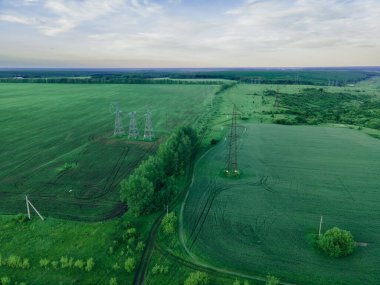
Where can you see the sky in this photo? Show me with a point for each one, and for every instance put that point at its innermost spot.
(189, 33)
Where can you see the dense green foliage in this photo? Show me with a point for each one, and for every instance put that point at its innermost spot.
(290, 175)
(315, 106)
(152, 184)
(197, 278)
(336, 242)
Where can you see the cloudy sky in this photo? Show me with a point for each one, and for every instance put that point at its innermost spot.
(189, 33)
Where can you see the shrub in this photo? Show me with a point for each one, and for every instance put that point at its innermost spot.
(140, 246)
(130, 264)
(236, 282)
(113, 281)
(336, 242)
(79, 264)
(197, 278)
(21, 218)
(160, 269)
(169, 223)
(272, 280)
(54, 264)
(89, 264)
(44, 262)
(5, 280)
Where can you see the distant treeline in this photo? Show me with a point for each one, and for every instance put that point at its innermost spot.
(108, 80)
(328, 76)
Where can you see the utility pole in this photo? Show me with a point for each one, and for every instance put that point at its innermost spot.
(232, 164)
(27, 206)
(119, 130)
(133, 130)
(320, 227)
(148, 130)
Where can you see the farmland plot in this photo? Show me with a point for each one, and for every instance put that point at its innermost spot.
(57, 146)
(266, 220)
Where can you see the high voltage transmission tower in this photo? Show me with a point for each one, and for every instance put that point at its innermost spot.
(148, 130)
(133, 130)
(232, 163)
(277, 99)
(119, 130)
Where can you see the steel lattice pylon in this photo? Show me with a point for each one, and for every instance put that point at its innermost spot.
(148, 130)
(133, 130)
(232, 163)
(119, 130)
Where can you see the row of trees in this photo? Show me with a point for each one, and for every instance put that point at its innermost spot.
(152, 184)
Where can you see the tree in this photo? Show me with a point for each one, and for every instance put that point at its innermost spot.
(336, 242)
(197, 278)
(236, 282)
(169, 223)
(137, 191)
(130, 264)
(272, 280)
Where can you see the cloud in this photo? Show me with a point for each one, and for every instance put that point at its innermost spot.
(15, 19)
(60, 16)
(240, 33)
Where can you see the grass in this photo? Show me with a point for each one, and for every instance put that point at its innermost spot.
(57, 143)
(264, 222)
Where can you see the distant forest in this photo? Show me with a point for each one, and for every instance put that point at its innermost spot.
(306, 76)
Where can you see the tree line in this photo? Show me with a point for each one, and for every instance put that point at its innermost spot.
(153, 184)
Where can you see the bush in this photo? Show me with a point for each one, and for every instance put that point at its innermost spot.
(5, 280)
(272, 280)
(89, 264)
(113, 281)
(336, 242)
(54, 264)
(130, 264)
(140, 246)
(21, 218)
(197, 278)
(236, 282)
(79, 264)
(160, 269)
(44, 262)
(169, 223)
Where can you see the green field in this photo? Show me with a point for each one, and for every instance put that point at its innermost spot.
(57, 145)
(265, 221)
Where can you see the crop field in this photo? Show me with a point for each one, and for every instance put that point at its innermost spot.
(266, 220)
(57, 146)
